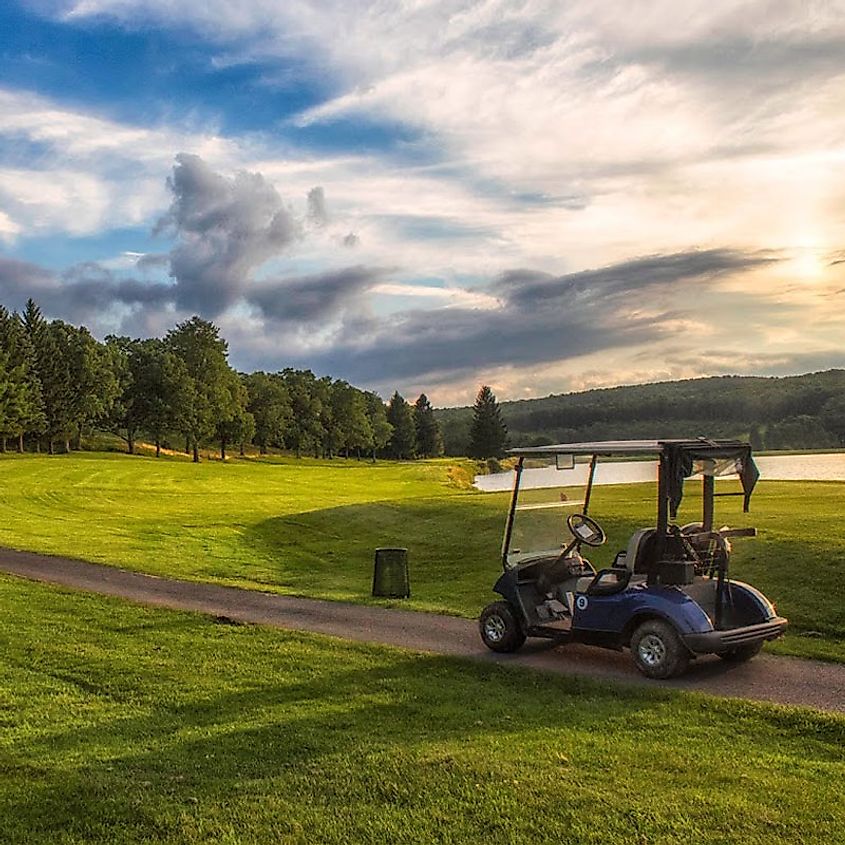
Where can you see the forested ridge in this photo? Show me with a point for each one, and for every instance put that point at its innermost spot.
(59, 385)
(793, 412)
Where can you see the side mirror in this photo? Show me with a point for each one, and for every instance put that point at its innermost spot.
(565, 461)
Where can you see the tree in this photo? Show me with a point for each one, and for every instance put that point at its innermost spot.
(156, 393)
(306, 429)
(380, 427)
(833, 416)
(488, 433)
(164, 392)
(198, 343)
(236, 424)
(269, 403)
(404, 437)
(93, 384)
(78, 375)
(348, 426)
(429, 440)
(21, 404)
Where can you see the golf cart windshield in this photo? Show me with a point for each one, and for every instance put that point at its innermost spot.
(539, 518)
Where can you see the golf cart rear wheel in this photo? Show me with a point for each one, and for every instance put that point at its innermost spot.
(741, 653)
(658, 651)
(500, 628)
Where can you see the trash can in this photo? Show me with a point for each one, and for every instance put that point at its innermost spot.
(390, 574)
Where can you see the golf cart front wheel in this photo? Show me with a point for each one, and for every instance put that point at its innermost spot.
(500, 628)
(741, 653)
(658, 650)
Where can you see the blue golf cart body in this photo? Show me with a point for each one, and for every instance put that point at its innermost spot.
(667, 596)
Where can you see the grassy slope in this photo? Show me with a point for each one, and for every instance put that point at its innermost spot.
(126, 724)
(310, 528)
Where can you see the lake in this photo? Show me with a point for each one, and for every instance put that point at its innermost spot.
(828, 467)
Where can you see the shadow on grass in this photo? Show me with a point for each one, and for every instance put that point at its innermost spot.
(326, 733)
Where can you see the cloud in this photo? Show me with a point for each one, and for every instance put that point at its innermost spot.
(91, 172)
(225, 229)
(83, 293)
(317, 212)
(539, 319)
(641, 276)
(313, 298)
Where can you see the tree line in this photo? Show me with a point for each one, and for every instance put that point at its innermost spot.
(58, 383)
(792, 412)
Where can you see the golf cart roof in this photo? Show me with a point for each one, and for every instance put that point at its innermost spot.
(610, 448)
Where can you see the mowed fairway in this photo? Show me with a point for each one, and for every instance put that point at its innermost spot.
(127, 724)
(310, 528)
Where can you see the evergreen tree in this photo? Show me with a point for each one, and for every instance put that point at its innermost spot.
(403, 438)
(429, 440)
(488, 433)
(21, 405)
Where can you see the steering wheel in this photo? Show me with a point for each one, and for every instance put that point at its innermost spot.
(585, 529)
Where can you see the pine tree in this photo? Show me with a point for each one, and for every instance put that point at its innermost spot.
(21, 406)
(488, 434)
(429, 439)
(403, 438)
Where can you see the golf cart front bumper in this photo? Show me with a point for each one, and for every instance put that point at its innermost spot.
(714, 642)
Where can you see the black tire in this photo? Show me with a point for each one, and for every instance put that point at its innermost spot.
(499, 627)
(741, 653)
(658, 651)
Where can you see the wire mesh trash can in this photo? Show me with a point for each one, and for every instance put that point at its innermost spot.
(390, 574)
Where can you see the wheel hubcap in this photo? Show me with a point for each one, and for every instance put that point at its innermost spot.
(651, 650)
(494, 628)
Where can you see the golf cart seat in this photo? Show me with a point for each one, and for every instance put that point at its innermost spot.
(640, 550)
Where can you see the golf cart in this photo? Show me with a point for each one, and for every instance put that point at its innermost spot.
(668, 596)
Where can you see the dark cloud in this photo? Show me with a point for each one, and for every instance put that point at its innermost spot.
(318, 214)
(529, 288)
(542, 318)
(225, 230)
(351, 240)
(79, 293)
(20, 280)
(312, 298)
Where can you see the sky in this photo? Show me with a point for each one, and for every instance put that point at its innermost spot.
(428, 195)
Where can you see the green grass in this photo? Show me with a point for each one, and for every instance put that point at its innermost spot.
(309, 527)
(128, 724)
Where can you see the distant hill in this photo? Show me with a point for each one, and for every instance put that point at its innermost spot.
(793, 412)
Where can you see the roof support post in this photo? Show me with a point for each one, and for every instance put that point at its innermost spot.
(512, 512)
(662, 519)
(593, 462)
(708, 489)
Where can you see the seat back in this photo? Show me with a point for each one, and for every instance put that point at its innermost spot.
(640, 549)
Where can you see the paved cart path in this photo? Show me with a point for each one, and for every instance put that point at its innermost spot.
(785, 680)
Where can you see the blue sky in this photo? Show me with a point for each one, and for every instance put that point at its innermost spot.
(428, 196)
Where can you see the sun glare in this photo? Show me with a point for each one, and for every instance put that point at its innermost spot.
(808, 265)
